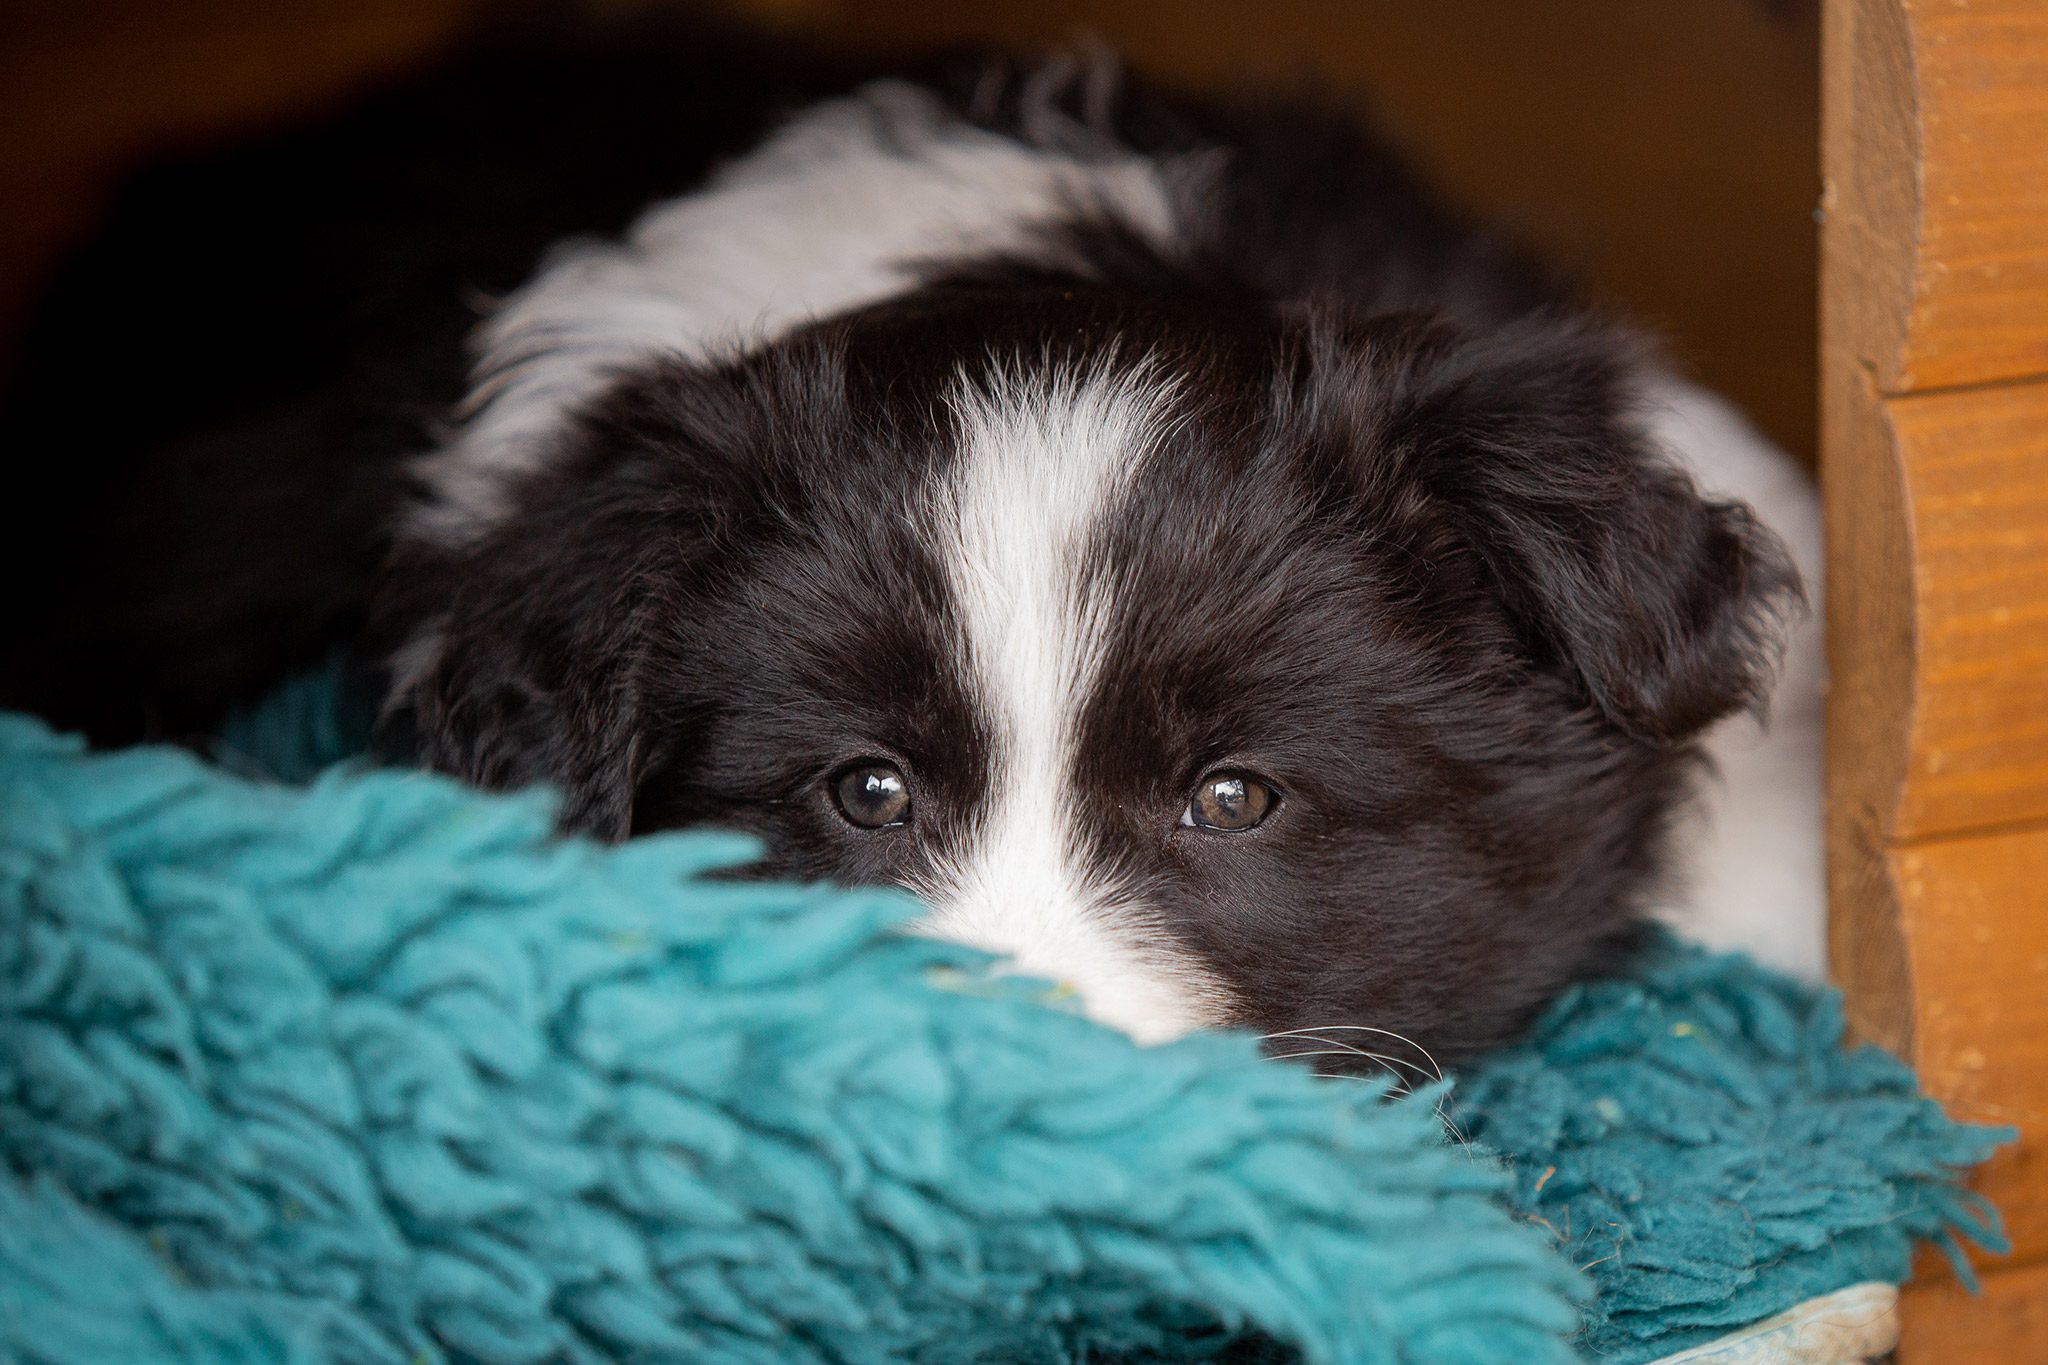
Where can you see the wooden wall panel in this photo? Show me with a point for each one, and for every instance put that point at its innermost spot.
(2007, 1325)
(1980, 272)
(1980, 972)
(1975, 465)
(1934, 344)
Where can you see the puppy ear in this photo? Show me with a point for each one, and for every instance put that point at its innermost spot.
(525, 668)
(1666, 608)
(564, 643)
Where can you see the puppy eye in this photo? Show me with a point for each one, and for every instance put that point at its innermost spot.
(873, 796)
(1233, 802)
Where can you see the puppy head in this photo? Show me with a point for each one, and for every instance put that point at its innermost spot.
(1296, 674)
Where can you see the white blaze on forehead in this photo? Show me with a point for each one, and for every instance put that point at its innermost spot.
(830, 214)
(1041, 463)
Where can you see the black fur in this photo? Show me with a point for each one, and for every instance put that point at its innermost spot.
(204, 437)
(1403, 551)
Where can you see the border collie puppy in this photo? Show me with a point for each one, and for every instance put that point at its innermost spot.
(1201, 568)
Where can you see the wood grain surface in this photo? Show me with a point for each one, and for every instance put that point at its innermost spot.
(1975, 465)
(1980, 972)
(1935, 182)
(1979, 283)
(1944, 1324)
(1870, 147)
(1934, 344)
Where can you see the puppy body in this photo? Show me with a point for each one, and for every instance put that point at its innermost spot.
(1058, 453)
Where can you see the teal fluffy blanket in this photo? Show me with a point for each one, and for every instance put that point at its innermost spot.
(364, 1066)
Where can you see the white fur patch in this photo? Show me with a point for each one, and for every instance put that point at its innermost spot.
(1042, 461)
(1751, 875)
(830, 214)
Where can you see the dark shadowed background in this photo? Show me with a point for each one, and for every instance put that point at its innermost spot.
(1667, 151)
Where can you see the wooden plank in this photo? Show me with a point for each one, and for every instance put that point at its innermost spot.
(2007, 1325)
(1872, 631)
(1870, 152)
(1938, 537)
(1974, 913)
(1975, 465)
(1938, 160)
(1979, 307)
(1934, 316)
(1870, 196)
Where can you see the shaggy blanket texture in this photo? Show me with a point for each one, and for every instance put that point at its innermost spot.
(377, 1069)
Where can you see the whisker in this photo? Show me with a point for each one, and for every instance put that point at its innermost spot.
(1339, 1049)
(1366, 1028)
(1458, 1134)
(1401, 1086)
(1336, 1044)
(1335, 1048)
(1314, 1036)
(1384, 1033)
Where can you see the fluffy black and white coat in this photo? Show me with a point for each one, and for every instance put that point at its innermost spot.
(1218, 577)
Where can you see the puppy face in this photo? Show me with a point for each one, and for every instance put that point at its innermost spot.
(1282, 673)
